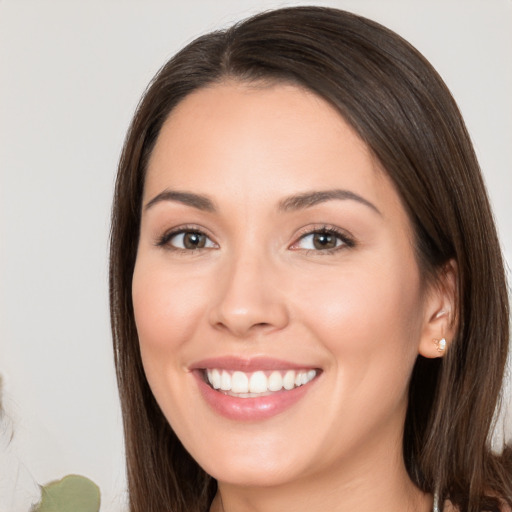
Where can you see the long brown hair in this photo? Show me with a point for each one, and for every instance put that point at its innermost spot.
(401, 108)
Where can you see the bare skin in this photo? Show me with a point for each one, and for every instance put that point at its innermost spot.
(330, 284)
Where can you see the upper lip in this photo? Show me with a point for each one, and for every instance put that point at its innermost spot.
(247, 364)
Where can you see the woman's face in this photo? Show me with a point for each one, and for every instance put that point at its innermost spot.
(275, 261)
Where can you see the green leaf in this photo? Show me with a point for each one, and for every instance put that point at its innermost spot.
(74, 493)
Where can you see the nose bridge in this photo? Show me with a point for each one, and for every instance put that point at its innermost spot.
(249, 298)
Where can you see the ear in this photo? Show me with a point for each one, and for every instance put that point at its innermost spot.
(440, 313)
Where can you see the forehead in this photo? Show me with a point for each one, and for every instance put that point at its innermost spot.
(234, 140)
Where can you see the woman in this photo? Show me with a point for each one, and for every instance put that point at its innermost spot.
(308, 300)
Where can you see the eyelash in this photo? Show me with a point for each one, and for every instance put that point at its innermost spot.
(347, 241)
(163, 241)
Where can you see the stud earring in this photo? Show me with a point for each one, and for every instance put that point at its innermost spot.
(440, 344)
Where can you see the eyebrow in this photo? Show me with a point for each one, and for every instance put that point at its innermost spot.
(198, 201)
(309, 199)
(291, 203)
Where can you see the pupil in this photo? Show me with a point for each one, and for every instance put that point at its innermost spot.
(324, 241)
(194, 240)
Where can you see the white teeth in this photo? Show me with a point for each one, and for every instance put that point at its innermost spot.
(289, 380)
(242, 383)
(258, 383)
(239, 382)
(225, 381)
(275, 381)
(215, 378)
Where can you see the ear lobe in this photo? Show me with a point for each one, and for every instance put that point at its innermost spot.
(440, 313)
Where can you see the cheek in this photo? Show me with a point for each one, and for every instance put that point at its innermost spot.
(166, 307)
(367, 317)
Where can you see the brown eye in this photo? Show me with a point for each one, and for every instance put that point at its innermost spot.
(193, 240)
(324, 241)
(187, 241)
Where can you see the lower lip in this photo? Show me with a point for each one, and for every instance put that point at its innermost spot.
(250, 409)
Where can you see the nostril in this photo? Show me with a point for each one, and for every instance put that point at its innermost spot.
(246, 307)
(241, 328)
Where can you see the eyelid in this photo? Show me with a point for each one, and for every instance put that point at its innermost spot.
(347, 239)
(164, 239)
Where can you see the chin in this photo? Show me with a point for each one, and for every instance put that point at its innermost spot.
(266, 462)
(253, 475)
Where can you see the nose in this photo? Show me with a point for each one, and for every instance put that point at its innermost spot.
(249, 299)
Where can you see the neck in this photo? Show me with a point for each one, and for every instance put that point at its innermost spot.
(377, 480)
(310, 498)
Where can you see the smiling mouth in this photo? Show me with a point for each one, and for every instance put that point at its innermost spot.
(257, 384)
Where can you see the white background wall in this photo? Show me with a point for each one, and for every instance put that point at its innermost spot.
(71, 74)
